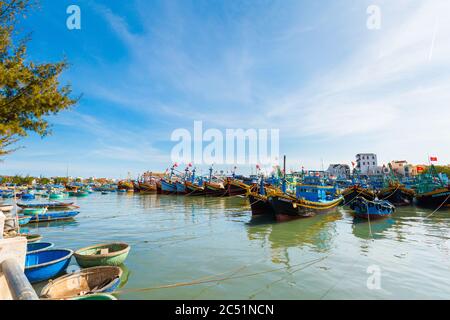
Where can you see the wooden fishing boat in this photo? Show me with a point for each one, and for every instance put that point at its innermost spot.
(236, 187)
(147, 187)
(78, 193)
(38, 246)
(46, 264)
(213, 188)
(95, 296)
(24, 220)
(158, 187)
(432, 191)
(85, 282)
(355, 191)
(259, 200)
(53, 216)
(397, 194)
(308, 201)
(48, 205)
(168, 187)
(194, 189)
(33, 211)
(371, 210)
(110, 254)
(181, 187)
(436, 199)
(105, 192)
(125, 185)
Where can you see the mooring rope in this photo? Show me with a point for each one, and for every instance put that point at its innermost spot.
(440, 206)
(214, 278)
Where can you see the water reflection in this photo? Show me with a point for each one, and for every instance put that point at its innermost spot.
(316, 233)
(371, 230)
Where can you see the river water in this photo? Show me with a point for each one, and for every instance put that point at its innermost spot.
(211, 248)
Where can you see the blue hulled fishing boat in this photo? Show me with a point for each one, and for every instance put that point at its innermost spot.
(372, 210)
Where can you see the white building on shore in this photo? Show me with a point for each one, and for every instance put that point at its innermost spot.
(367, 164)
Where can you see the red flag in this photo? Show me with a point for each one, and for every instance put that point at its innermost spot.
(419, 169)
(433, 159)
(190, 164)
(353, 164)
(257, 166)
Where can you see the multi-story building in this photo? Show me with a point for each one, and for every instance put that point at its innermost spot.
(339, 170)
(367, 164)
(401, 168)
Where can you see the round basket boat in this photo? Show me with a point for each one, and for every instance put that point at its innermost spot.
(31, 238)
(110, 254)
(82, 283)
(38, 246)
(95, 296)
(46, 264)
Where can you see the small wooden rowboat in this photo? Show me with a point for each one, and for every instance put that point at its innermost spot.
(46, 264)
(49, 205)
(111, 254)
(39, 246)
(53, 216)
(85, 282)
(95, 296)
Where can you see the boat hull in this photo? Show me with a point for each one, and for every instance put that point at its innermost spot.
(168, 187)
(181, 188)
(398, 196)
(89, 257)
(53, 216)
(47, 264)
(260, 205)
(93, 280)
(236, 188)
(351, 193)
(436, 199)
(288, 208)
(214, 190)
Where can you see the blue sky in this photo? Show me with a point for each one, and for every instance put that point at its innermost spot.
(312, 69)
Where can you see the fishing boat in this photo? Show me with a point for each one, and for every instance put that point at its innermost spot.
(168, 186)
(95, 296)
(24, 220)
(371, 210)
(125, 185)
(259, 201)
(236, 187)
(147, 187)
(85, 282)
(105, 192)
(397, 194)
(46, 264)
(48, 205)
(53, 216)
(111, 254)
(432, 191)
(181, 187)
(308, 201)
(33, 211)
(357, 190)
(39, 246)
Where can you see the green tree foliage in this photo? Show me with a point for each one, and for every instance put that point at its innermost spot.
(29, 91)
